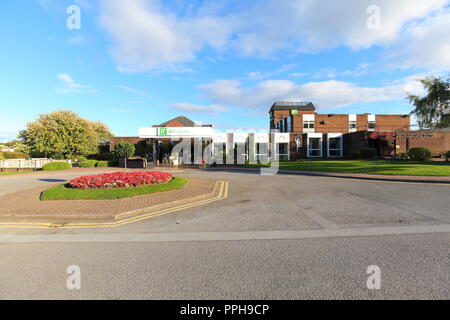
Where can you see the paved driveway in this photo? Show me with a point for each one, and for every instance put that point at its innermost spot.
(273, 237)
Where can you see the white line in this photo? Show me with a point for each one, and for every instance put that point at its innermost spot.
(223, 236)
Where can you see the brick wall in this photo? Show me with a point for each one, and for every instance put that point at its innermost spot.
(436, 141)
(340, 122)
(331, 123)
(392, 122)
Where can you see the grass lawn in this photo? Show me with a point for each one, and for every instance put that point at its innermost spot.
(368, 166)
(62, 192)
(12, 172)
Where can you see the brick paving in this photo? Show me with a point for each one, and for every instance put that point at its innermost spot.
(27, 203)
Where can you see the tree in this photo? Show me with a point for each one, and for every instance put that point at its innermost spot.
(62, 134)
(103, 132)
(433, 110)
(124, 149)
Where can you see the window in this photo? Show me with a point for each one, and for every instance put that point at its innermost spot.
(283, 152)
(372, 125)
(352, 126)
(289, 124)
(335, 147)
(219, 152)
(308, 124)
(314, 147)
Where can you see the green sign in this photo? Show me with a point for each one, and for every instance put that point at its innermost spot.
(162, 132)
(294, 111)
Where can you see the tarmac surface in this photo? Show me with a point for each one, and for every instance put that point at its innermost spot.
(273, 237)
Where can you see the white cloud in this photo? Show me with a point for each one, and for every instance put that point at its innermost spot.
(147, 38)
(425, 44)
(6, 136)
(257, 75)
(325, 73)
(316, 25)
(133, 90)
(187, 107)
(298, 74)
(146, 35)
(326, 94)
(70, 86)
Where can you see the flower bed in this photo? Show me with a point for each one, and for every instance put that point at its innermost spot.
(120, 180)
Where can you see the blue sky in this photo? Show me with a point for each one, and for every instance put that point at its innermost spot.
(137, 63)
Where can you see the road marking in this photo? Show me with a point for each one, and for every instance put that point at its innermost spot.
(223, 193)
(224, 236)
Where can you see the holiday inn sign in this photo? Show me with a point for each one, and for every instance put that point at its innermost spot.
(176, 132)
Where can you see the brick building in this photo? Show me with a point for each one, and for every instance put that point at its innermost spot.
(315, 135)
(296, 131)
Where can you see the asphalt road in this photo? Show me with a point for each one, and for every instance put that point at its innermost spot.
(274, 237)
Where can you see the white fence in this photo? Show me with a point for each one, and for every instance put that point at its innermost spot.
(27, 164)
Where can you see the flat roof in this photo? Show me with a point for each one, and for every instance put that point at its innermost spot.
(286, 105)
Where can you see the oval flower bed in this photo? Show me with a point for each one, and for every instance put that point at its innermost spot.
(115, 185)
(120, 180)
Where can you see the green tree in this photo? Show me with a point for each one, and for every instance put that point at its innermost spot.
(103, 132)
(60, 135)
(124, 149)
(433, 110)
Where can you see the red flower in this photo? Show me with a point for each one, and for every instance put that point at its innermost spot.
(120, 179)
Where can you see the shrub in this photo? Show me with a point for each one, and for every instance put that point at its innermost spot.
(78, 158)
(88, 163)
(1, 156)
(52, 166)
(419, 154)
(124, 149)
(368, 153)
(355, 155)
(15, 155)
(102, 163)
(108, 156)
(447, 156)
(120, 180)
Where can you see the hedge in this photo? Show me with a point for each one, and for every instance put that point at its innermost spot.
(52, 166)
(447, 155)
(107, 156)
(88, 163)
(107, 164)
(419, 154)
(78, 158)
(368, 153)
(1, 156)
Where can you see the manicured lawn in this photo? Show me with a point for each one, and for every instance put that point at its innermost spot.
(62, 192)
(368, 166)
(12, 172)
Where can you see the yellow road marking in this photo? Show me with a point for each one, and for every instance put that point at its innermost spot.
(223, 193)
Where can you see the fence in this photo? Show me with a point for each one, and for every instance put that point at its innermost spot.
(24, 164)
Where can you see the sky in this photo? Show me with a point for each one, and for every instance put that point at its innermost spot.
(136, 63)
